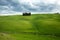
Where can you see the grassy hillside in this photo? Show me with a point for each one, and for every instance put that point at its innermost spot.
(35, 27)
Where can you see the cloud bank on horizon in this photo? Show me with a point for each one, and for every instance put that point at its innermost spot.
(11, 6)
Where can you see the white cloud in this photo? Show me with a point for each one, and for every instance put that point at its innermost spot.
(52, 2)
(6, 9)
(35, 4)
(49, 1)
(29, 2)
(31, 5)
(38, 1)
(58, 2)
(57, 9)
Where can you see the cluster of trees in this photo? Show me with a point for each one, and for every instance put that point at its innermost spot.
(27, 14)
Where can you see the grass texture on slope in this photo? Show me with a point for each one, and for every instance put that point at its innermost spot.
(35, 27)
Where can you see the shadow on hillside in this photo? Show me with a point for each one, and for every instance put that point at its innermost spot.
(38, 26)
(37, 33)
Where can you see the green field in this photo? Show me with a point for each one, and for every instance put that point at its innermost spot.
(34, 27)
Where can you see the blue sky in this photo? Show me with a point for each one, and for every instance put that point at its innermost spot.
(11, 6)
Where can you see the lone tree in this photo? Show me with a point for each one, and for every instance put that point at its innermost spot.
(27, 14)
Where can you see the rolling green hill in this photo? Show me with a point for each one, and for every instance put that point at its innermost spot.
(35, 27)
